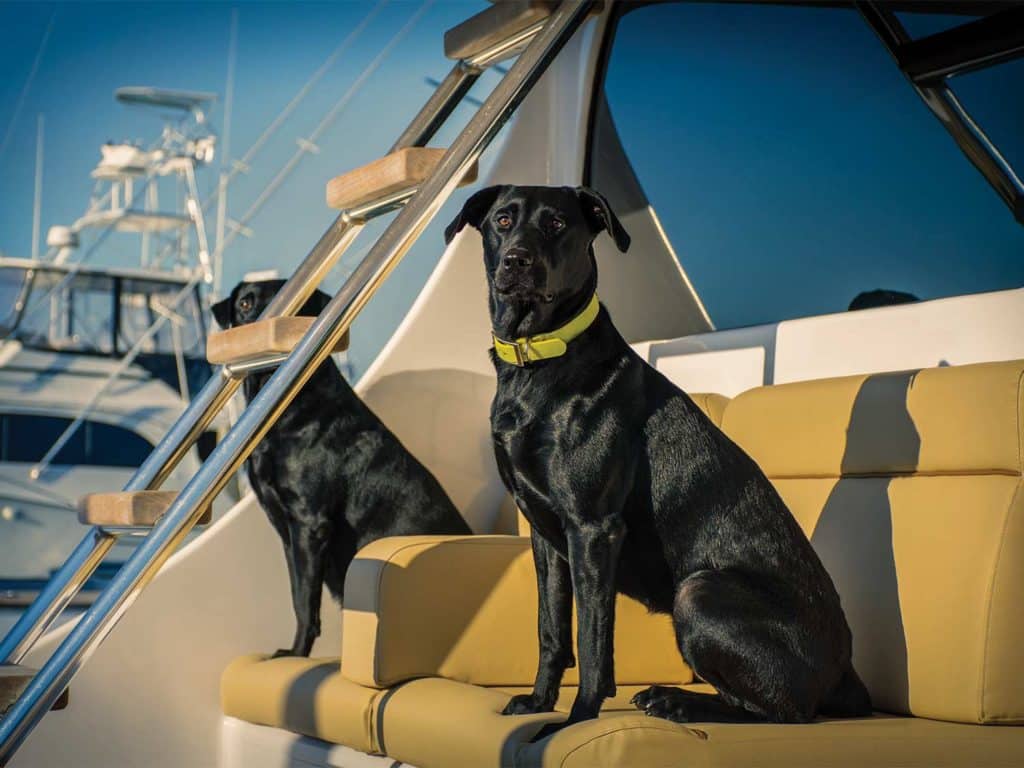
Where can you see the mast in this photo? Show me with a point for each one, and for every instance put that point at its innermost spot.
(222, 185)
(37, 203)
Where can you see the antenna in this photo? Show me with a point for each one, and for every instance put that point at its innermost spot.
(225, 158)
(37, 204)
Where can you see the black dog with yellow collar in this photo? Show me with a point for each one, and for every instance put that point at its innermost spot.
(629, 487)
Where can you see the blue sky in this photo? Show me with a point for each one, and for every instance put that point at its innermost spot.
(791, 164)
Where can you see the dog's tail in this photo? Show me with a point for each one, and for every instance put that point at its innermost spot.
(850, 697)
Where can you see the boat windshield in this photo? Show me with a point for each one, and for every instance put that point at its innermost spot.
(795, 170)
(99, 313)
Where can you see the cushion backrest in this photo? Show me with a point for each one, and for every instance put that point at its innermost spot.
(909, 487)
(441, 417)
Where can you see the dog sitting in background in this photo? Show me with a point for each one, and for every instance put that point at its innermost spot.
(330, 476)
(629, 487)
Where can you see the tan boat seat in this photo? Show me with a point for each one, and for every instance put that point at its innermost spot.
(909, 486)
(307, 696)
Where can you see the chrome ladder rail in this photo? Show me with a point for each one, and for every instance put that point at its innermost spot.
(545, 41)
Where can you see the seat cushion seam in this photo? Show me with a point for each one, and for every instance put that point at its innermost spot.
(990, 595)
(688, 731)
(999, 554)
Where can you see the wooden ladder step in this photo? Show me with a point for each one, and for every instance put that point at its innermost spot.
(128, 509)
(492, 25)
(263, 339)
(400, 171)
(14, 678)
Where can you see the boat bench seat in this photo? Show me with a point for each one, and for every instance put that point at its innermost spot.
(909, 486)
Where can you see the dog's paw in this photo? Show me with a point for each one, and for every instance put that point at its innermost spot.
(525, 704)
(664, 702)
(283, 652)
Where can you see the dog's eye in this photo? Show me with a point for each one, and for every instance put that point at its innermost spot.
(557, 225)
(245, 304)
(504, 221)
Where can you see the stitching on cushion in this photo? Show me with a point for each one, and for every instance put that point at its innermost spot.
(1020, 407)
(690, 733)
(911, 473)
(999, 556)
(991, 594)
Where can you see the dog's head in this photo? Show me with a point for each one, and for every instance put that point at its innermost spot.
(248, 300)
(538, 251)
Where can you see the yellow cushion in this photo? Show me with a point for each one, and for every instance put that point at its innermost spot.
(909, 488)
(712, 404)
(879, 742)
(465, 608)
(307, 696)
(437, 722)
(959, 420)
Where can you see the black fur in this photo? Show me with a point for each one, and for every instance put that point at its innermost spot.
(628, 486)
(330, 476)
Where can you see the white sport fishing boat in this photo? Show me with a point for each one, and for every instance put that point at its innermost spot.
(97, 361)
(893, 433)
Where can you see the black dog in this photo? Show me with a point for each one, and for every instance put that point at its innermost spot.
(628, 485)
(330, 476)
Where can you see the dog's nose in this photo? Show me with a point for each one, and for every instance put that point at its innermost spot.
(516, 258)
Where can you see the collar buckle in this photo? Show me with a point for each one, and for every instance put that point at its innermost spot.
(522, 350)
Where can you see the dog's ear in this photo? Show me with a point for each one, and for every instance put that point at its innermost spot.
(601, 216)
(222, 311)
(315, 304)
(473, 212)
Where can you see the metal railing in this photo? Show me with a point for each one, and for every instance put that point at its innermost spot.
(934, 91)
(546, 40)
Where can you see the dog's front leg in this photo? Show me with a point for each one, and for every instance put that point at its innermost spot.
(554, 629)
(308, 546)
(594, 548)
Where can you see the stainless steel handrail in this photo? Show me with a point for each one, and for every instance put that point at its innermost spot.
(284, 384)
(55, 596)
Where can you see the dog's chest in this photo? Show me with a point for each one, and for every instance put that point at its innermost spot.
(521, 432)
(527, 449)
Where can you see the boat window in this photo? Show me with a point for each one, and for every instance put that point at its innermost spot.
(27, 438)
(794, 168)
(78, 312)
(65, 313)
(144, 301)
(12, 281)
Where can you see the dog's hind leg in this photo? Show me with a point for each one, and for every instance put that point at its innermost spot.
(850, 698)
(308, 546)
(681, 706)
(739, 637)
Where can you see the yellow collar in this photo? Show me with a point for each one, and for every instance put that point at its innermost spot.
(529, 349)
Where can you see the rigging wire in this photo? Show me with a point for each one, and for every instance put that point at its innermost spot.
(242, 164)
(28, 84)
(309, 144)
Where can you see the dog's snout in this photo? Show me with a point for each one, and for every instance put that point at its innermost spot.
(516, 258)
